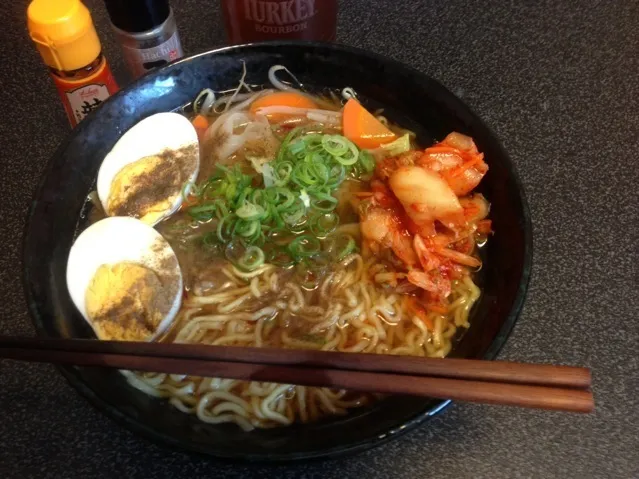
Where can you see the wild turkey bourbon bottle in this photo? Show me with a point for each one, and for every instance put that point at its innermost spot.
(258, 20)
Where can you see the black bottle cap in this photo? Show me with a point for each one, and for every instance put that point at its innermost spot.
(137, 16)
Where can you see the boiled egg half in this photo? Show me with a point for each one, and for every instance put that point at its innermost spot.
(143, 176)
(125, 279)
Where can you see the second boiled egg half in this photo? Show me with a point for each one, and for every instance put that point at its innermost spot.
(125, 279)
(143, 176)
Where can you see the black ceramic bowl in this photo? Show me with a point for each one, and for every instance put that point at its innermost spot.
(410, 98)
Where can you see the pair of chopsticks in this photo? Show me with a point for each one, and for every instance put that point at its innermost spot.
(563, 388)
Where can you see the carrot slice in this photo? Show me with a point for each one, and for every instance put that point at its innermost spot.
(362, 128)
(201, 124)
(443, 149)
(477, 160)
(282, 98)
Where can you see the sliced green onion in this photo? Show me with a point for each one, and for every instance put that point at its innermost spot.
(280, 256)
(313, 141)
(304, 246)
(336, 176)
(287, 139)
(339, 245)
(230, 190)
(225, 228)
(220, 209)
(296, 198)
(206, 211)
(323, 224)
(281, 198)
(249, 211)
(336, 145)
(320, 170)
(189, 188)
(351, 156)
(259, 238)
(248, 229)
(258, 197)
(295, 213)
(323, 202)
(297, 147)
(240, 199)
(283, 173)
(252, 259)
(305, 198)
(276, 217)
(303, 175)
(280, 236)
(211, 188)
(301, 226)
(202, 213)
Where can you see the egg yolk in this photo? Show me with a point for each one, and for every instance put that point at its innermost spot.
(126, 301)
(148, 187)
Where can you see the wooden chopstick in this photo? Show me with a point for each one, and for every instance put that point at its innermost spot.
(515, 384)
(496, 371)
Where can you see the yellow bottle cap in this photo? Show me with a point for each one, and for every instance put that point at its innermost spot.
(63, 33)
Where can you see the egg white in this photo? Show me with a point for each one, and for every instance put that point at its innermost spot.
(150, 136)
(114, 240)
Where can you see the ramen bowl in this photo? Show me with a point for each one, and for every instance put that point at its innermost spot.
(409, 98)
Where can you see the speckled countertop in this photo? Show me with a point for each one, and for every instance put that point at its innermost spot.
(558, 83)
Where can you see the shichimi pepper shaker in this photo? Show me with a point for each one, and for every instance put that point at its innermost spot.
(68, 43)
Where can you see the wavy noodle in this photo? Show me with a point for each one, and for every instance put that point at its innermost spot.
(347, 312)
(359, 305)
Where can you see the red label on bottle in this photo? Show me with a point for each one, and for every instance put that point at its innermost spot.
(254, 20)
(83, 96)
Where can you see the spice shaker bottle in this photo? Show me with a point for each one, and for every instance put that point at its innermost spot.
(147, 33)
(68, 43)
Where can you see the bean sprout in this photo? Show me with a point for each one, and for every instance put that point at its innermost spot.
(348, 93)
(239, 87)
(207, 99)
(279, 84)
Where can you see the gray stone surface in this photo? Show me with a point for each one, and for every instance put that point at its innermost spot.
(558, 82)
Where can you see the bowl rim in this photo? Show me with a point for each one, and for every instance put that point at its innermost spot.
(430, 410)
